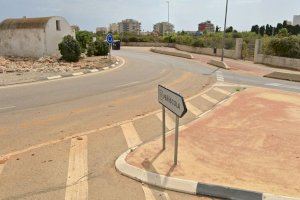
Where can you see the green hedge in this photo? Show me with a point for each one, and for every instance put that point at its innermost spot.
(282, 46)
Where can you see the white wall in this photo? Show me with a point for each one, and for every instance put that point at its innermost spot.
(54, 37)
(22, 42)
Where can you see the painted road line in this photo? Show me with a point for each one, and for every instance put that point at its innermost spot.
(54, 77)
(130, 134)
(170, 124)
(77, 73)
(127, 84)
(220, 76)
(7, 107)
(77, 184)
(221, 91)
(133, 139)
(94, 70)
(148, 193)
(210, 99)
(193, 109)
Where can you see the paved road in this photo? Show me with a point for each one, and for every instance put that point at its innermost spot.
(38, 122)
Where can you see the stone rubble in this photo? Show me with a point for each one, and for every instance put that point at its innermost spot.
(48, 64)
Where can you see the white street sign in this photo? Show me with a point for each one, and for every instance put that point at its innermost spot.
(171, 100)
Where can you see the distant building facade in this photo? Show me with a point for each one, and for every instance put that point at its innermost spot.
(206, 26)
(296, 20)
(33, 37)
(129, 26)
(163, 28)
(113, 28)
(101, 30)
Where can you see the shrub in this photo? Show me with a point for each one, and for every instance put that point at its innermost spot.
(91, 49)
(101, 48)
(69, 49)
(282, 46)
(84, 38)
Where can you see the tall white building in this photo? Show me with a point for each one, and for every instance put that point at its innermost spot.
(129, 26)
(163, 27)
(296, 20)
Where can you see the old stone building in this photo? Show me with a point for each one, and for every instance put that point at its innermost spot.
(33, 37)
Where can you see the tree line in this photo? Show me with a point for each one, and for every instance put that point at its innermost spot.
(270, 30)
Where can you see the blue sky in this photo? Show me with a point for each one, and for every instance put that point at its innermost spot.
(184, 14)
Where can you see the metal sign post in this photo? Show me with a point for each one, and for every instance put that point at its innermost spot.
(175, 103)
(110, 41)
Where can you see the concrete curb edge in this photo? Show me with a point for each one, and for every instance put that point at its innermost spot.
(189, 186)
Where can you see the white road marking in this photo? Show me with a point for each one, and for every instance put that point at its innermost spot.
(221, 91)
(94, 70)
(193, 109)
(133, 139)
(130, 134)
(148, 193)
(220, 76)
(77, 184)
(127, 84)
(170, 124)
(77, 73)
(7, 107)
(210, 99)
(54, 77)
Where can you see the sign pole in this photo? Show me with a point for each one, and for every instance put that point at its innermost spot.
(164, 127)
(176, 140)
(110, 52)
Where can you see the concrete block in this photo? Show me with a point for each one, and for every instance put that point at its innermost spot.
(218, 64)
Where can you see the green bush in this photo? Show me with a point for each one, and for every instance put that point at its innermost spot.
(84, 38)
(69, 49)
(91, 49)
(101, 48)
(282, 46)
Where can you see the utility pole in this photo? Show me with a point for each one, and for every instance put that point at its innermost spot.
(168, 2)
(224, 33)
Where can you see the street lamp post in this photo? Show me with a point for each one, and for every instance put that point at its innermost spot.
(224, 33)
(168, 2)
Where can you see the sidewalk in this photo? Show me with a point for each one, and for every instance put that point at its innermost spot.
(251, 142)
(240, 66)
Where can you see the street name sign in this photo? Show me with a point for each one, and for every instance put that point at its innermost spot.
(172, 100)
(175, 103)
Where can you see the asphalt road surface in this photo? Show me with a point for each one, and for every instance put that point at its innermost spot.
(38, 122)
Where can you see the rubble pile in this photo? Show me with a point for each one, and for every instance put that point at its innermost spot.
(48, 64)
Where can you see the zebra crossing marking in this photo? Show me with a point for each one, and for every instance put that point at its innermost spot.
(170, 124)
(133, 139)
(77, 184)
(131, 135)
(210, 99)
(193, 109)
(220, 76)
(221, 91)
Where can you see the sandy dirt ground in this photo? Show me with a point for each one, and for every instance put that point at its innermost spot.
(250, 142)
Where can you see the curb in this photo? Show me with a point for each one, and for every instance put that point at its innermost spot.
(84, 72)
(119, 63)
(170, 53)
(189, 186)
(218, 63)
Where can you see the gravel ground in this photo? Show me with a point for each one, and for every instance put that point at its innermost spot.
(21, 70)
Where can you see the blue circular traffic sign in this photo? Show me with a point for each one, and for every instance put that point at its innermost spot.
(109, 38)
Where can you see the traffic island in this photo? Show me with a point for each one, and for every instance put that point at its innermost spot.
(247, 148)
